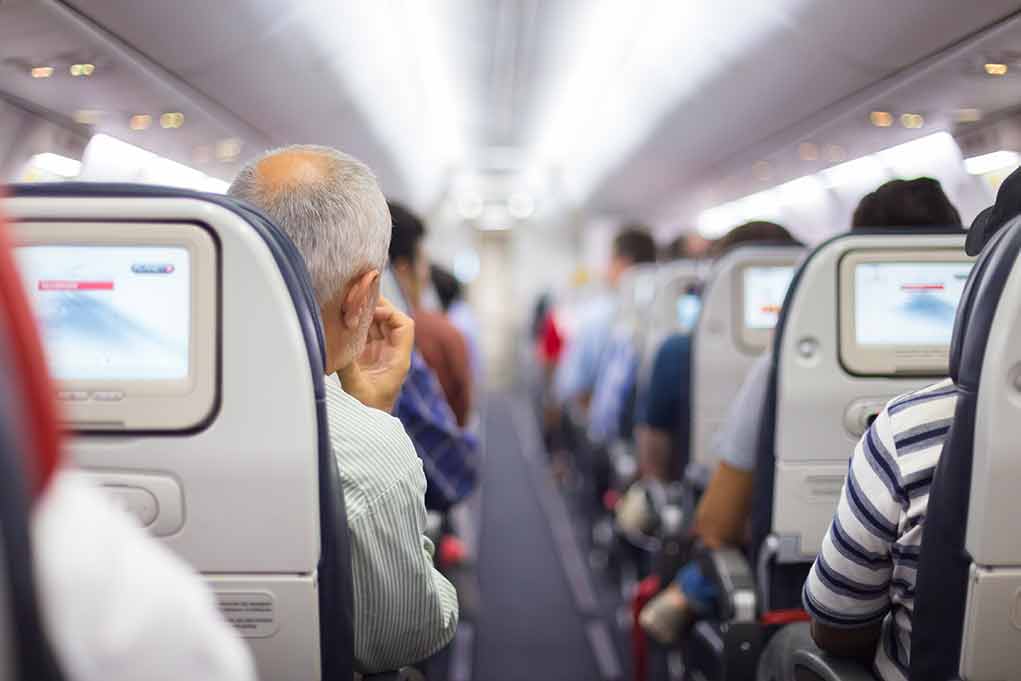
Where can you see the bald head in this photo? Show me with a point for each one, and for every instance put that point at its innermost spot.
(330, 206)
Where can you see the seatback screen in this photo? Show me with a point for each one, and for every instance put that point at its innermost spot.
(111, 312)
(907, 303)
(764, 290)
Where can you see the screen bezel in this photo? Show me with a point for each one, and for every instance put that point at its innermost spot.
(147, 404)
(888, 359)
(749, 339)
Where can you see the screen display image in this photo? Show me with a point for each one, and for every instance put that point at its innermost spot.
(907, 303)
(764, 292)
(111, 313)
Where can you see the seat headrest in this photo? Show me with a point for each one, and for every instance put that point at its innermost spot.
(975, 321)
(23, 352)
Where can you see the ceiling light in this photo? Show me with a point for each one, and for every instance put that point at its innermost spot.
(521, 206)
(881, 119)
(996, 69)
(87, 116)
(808, 151)
(140, 122)
(172, 120)
(470, 206)
(834, 153)
(86, 70)
(912, 121)
(762, 170)
(112, 160)
(41, 71)
(968, 115)
(65, 167)
(228, 149)
(987, 163)
(800, 190)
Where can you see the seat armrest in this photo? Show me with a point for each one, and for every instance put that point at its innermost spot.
(815, 665)
(730, 571)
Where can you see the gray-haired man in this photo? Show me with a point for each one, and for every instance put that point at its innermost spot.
(331, 207)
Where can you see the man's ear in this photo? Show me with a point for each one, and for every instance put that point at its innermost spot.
(360, 294)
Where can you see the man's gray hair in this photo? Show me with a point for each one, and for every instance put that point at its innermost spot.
(335, 214)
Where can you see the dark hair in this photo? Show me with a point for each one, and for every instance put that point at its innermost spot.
(407, 232)
(906, 203)
(757, 232)
(448, 288)
(635, 243)
(677, 249)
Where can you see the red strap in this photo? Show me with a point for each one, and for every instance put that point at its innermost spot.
(781, 617)
(646, 590)
(26, 356)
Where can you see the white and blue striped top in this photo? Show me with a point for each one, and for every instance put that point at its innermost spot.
(867, 567)
(404, 609)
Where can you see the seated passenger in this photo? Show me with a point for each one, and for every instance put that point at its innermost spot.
(860, 591)
(662, 431)
(582, 361)
(723, 511)
(460, 314)
(449, 452)
(332, 209)
(441, 344)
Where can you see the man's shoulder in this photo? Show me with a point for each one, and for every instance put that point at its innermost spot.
(374, 453)
(934, 402)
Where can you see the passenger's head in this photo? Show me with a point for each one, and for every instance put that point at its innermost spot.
(632, 246)
(331, 207)
(690, 246)
(447, 286)
(906, 203)
(757, 232)
(407, 256)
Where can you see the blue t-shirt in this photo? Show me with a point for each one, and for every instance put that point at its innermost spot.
(665, 404)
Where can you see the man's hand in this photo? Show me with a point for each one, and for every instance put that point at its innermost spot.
(375, 378)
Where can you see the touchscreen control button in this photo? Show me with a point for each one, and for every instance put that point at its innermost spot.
(72, 396)
(108, 396)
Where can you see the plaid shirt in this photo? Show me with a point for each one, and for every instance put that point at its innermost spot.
(449, 454)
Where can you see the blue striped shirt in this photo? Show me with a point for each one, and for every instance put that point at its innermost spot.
(867, 567)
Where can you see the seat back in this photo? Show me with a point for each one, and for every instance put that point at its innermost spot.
(247, 492)
(966, 618)
(856, 329)
(725, 343)
(671, 310)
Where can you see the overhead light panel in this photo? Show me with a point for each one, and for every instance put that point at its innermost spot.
(808, 151)
(228, 150)
(80, 70)
(470, 206)
(988, 163)
(87, 116)
(834, 153)
(912, 121)
(41, 71)
(140, 122)
(521, 206)
(996, 69)
(172, 120)
(881, 119)
(968, 115)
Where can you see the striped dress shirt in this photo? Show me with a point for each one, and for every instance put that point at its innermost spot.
(867, 567)
(404, 609)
